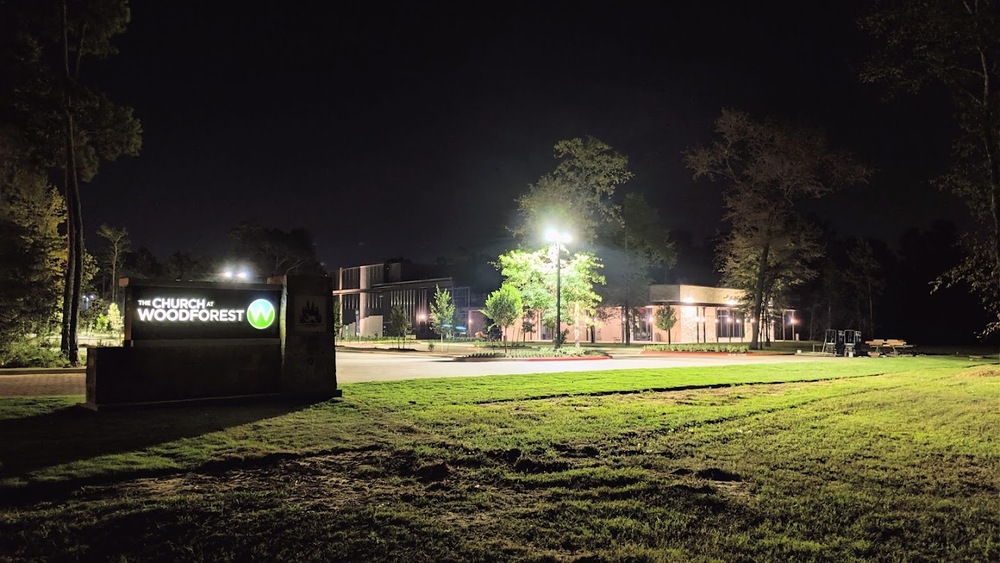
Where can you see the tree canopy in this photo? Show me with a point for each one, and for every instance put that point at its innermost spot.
(275, 252)
(58, 120)
(442, 312)
(579, 192)
(955, 45)
(769, 168)
(504, 306)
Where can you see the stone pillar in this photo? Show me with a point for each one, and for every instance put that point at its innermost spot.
(308, 356)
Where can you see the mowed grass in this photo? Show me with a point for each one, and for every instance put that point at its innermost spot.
(867, 459)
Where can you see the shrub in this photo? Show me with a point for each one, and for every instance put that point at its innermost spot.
(540, 353)
(704, 347)
(30, 353)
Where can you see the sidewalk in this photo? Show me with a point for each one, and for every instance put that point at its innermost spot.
(34, 382)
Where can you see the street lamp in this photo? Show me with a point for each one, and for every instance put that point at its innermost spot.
(558, 237)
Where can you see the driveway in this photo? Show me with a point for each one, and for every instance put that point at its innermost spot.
(357, 367)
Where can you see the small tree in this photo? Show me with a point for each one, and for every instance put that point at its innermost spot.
(503, 306)
(116, 322)
(399, 325)
(338, 321)
(113, 257)
(442, 312)
(666, 318)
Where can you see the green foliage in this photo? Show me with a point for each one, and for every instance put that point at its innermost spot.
(399, 324)
(116, 321)
(102, 323)
(528, 353)
(338, 321)
(580, 275)
(703, 347)
(32, 252)
(666, 318)
(578, 192)
(28, 352)
(504, 306)
(533, 274)
(442, 312)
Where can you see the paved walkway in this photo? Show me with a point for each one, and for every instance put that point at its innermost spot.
(35, 384)
(356, 367)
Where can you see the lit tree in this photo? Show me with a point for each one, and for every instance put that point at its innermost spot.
(442, 312)
(533, 274)
(504, 307)
(769, 168)
(32, 253)
(665, 320)
(399, 324)
(580, 274)
(578, 192)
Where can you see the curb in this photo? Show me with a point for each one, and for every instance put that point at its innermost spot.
(555, 359)
(711, 354)
(41, 371)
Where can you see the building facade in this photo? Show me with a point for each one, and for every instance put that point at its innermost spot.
(367, 294)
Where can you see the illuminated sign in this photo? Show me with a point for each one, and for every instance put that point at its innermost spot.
(201, 311)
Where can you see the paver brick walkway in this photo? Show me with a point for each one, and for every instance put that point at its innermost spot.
(43, 384)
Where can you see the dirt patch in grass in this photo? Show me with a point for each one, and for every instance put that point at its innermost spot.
(716, 474)
(982, 371)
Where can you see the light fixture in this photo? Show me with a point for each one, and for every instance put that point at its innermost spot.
(559, 238)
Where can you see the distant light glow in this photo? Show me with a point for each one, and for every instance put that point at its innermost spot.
(554, 235)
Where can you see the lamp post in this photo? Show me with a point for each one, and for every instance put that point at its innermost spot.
(558, 237)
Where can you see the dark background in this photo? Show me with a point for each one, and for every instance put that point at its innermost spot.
(407, 129)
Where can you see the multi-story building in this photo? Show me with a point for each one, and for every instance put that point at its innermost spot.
(367, 294)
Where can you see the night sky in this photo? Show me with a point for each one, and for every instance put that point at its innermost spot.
(408, 129)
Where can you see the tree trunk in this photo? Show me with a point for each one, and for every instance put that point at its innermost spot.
(758, 294)
(627, 323)
(74, 266)
(70, 258)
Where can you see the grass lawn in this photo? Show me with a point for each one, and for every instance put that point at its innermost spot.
(869, 459)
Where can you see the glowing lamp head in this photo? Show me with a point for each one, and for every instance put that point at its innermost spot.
(554, 235)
